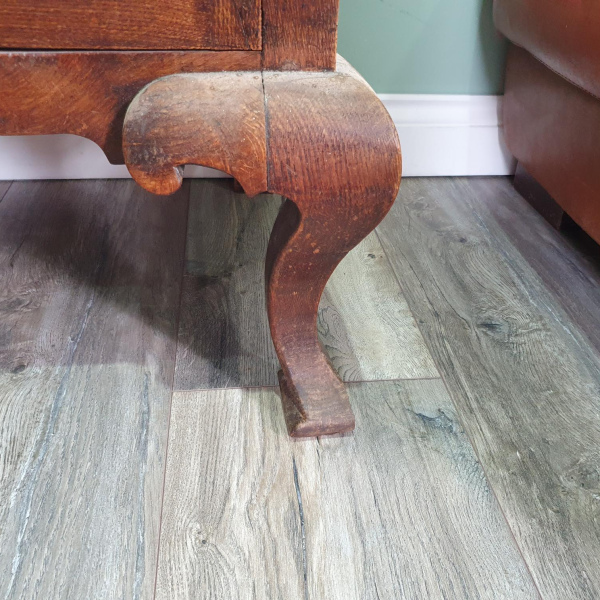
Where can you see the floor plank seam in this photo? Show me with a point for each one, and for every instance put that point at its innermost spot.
(460, 421)
(302, 529)
(177, 319)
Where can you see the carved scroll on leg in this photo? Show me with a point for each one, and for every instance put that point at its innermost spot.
(334, 153)
(212, 119)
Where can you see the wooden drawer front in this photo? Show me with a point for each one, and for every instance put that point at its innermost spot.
(131, 24)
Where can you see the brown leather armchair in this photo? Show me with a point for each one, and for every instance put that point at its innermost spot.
(552, 102)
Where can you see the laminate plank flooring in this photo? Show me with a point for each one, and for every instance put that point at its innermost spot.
(101, 312)
(524, 377)
(224, 340)
(365, 324)
(91, 275)
(568, 262)
(399, 509)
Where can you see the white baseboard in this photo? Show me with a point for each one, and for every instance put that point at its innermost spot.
(440, 135)
(450, 135)
(64, 157)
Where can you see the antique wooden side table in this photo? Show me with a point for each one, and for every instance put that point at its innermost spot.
(250, 87)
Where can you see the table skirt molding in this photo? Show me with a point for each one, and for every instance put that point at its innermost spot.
(442, 135)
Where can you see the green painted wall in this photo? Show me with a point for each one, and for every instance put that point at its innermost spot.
(423, 46)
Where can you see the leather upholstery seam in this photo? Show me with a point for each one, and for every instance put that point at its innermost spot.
(566, 78)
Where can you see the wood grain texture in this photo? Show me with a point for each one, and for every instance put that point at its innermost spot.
(90, 288)
(567, 263)
(230, 524)
(87, 93)
(400, 509)
(224, 338)
(139, 25)
(364, 322)
(299, 36)
(524, 378)
(324, 142)
(334, 153)
(211, 119)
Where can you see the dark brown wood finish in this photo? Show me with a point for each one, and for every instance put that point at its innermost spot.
(228, 131)
(334, 152)
(139, 25)
(300, 36)
(87, 93)
(322, 140)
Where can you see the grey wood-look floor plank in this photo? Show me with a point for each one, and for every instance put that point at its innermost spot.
(230, 524)
(91, 275)
(364, 321)
(365, 324)
(568, 264)
(524, 378)
(224, 338)
(399, 509)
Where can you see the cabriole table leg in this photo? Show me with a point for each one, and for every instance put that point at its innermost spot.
(322, 140)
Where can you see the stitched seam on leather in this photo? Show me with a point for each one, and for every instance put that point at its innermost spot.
(565, 77)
